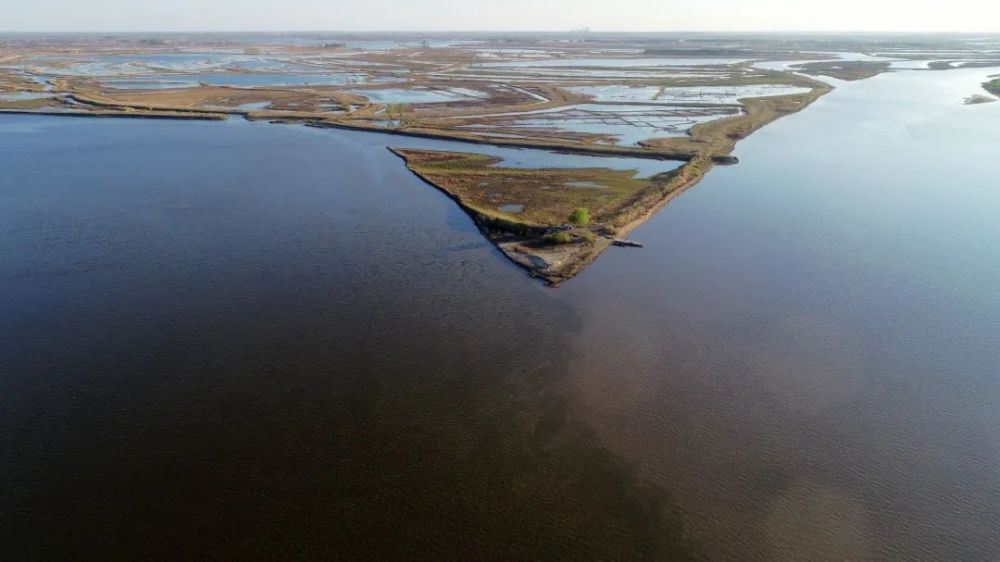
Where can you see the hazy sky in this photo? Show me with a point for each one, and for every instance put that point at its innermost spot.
(529, 15)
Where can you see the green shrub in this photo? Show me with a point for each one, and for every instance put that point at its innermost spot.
(580, 216)
(558, 238)
(589, 236)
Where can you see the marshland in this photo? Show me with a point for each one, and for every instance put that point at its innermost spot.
(270, 300)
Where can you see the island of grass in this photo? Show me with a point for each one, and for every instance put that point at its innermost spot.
(553, 221)
(844, 70)
(717, 139)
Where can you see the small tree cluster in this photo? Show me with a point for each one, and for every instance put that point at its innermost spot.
(401, 113)
(558, 238)
(580, 216)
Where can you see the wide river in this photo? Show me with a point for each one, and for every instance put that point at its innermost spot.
(236, 341)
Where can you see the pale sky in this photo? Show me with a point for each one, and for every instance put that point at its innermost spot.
(499, 15)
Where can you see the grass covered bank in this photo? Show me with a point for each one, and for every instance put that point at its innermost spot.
(552, 221)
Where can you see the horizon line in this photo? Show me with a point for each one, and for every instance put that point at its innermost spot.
(546, 31)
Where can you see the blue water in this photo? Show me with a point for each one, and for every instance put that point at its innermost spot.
(404, 95)
(387, 45)
(226, 340)
(166, 58)
(235, 79)
(639, 62)
(816, 333)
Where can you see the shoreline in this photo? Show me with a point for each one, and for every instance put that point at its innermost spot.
(557, 264)
(179, 116)
(596, 150)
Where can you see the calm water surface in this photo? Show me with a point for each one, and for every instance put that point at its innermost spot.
(807, 356)
(242, 341)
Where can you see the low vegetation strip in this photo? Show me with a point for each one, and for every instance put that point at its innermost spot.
(542, 197)
(717, 139)
(845, 70)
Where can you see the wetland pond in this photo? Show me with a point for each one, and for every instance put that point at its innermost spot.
(166, 81)
(419, 95)
(625, 124)
(226, 340)
(611, 63)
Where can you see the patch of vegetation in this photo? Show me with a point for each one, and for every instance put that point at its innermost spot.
(580, 216)
(14, 83)
(719, 137)
(38, 103)
(548, 194)
(845, 70)
(400, 113)
(558, 238)
(588, 236)
(757, 78)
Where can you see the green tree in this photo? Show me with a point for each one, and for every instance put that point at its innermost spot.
(403, 114)
(580, 216)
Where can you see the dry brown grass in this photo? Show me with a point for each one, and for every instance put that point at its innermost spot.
(549, 195)
(845, 70)
(719, 137)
